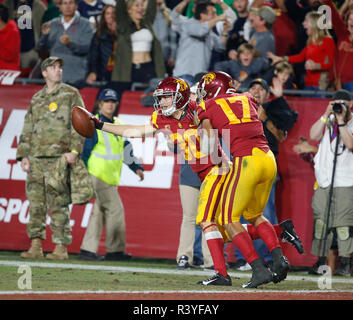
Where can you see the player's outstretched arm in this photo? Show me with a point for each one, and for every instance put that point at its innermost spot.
(129, 130)
(124, 130)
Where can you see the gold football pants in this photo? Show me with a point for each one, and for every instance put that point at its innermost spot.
(247, 186)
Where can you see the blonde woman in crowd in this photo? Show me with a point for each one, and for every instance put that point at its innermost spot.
(317, 55)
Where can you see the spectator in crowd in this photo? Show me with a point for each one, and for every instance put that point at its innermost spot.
(69, 38)
(333, 199)
(53, 10)
(284, 72)
(220, 30)
(104, 155)
(29, 23)
(307, 152)
(166, 36)
(343, 62)
(139, 56)
(262, 38)
(190, 9)
(197, 35)
(48, 137)
(10, 42)
(236, 34)
(277, 118)
(101, 55)
(91, 10)
(245, 66)
(284, 30)
(297, 11)
(318, 54)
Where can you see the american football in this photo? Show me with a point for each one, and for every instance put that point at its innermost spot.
(81, 122)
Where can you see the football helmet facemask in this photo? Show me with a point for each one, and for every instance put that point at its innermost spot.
(173, 87)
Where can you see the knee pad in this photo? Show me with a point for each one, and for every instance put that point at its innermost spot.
(319, 229)
(342, 233)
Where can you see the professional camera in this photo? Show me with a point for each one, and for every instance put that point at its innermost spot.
(337, 107)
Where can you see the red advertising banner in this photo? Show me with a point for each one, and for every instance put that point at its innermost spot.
(152, 208)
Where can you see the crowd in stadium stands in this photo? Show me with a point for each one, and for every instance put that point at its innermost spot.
(115, 42)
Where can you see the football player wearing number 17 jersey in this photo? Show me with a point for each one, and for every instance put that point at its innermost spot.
(248, 184)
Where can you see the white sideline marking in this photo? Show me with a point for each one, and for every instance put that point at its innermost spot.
(172, 291)
(155, 270)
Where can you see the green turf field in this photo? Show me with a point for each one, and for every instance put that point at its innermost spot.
(134, 275)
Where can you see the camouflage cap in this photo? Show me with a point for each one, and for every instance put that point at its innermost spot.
(49, 62)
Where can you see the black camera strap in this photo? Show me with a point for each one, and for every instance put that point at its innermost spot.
(329, 200)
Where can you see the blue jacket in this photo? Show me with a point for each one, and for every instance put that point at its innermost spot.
(99, 53)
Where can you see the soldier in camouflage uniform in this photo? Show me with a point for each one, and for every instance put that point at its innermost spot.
(47, 136)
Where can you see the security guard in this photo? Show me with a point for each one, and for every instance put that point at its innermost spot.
(104, 155)
(47, 136)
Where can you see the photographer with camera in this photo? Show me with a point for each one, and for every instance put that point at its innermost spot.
(332, 203)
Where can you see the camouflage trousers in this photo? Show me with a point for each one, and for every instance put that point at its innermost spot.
(44, 197)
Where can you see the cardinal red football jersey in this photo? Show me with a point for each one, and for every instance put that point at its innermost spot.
(185, 134)
(235, 116)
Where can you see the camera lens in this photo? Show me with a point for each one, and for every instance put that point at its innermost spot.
(337, 108)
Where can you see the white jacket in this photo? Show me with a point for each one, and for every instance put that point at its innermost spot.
(323, 161)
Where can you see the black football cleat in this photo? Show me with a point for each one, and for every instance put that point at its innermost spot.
(217, 280)
(290, 236)
(280, 269)
(260, 275)
(258, 280)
